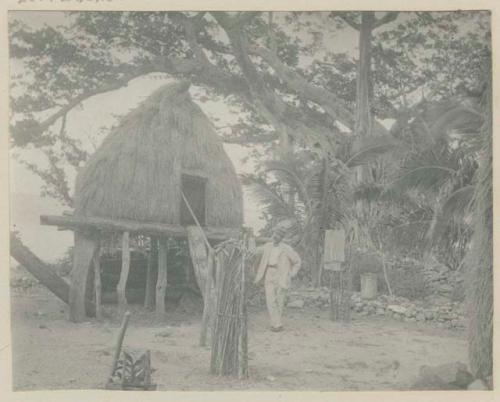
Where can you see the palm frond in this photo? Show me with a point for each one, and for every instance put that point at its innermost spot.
(368, 192)
(423, 178)
(268, 196)
(369, 149)
(460, 119)
(458, 204)
(293, 177)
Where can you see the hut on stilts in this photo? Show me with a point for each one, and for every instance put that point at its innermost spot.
(158, 172)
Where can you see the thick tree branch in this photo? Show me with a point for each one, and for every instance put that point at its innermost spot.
(389, 17)
(265, 101)
(210, 73)
(142, 70)
(333, 106)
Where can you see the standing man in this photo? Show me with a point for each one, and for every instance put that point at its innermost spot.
(279, 264)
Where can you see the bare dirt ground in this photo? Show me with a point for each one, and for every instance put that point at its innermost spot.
(313, 353)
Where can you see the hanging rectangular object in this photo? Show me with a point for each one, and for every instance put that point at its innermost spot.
(334, 250)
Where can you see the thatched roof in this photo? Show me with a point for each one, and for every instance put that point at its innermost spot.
(136, 173)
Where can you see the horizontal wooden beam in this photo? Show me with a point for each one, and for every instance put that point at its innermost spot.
(73, 222)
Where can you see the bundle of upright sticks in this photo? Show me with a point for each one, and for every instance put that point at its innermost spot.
(229, 337)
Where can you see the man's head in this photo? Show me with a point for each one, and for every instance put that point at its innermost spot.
(278, 234)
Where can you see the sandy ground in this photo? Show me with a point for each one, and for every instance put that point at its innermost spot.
(313, 353)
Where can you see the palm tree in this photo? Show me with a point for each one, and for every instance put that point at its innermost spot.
(452, 170)
(439, 167)
(479, 259)
(323, 188)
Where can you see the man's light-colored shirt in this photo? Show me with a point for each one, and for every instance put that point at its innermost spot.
(275, 254)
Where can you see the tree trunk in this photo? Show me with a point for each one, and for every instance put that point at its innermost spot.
(42, 272)
(161, 284)
(85, 247)
(38, 269)
(363, 117)
(97, 285)
(479, 263)
(122, 283)
(149, 298)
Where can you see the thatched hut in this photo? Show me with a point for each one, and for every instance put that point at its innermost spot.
(162, 169)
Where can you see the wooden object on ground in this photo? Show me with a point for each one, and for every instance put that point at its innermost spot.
(85, 247)
(122, 283)
(119, 343)
(122, 225)
(132, 374)
(341, 290)
(161, 283)
(149, 296)
(336, 290)
(97, 284)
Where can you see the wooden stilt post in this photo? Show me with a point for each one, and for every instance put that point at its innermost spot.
(150, 277)
(122, 283)
(208, 298)
(243, 339)
(161, 283)
(85, 246)
(97, 284)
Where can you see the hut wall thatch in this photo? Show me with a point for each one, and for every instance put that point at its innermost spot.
(136, 173)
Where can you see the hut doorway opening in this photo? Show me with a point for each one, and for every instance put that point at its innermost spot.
(194, 189)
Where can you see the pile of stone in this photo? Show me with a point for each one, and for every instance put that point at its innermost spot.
(442, 312)
(441, 280)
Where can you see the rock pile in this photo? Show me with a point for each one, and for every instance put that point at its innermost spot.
(446, 313)
(441, 280)
(443, 312)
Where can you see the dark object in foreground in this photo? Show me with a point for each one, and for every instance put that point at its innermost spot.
(132, 374)
(127, 373)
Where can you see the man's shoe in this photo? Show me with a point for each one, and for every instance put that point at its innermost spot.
(277, 329)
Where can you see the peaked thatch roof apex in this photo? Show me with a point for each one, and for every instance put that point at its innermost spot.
(136, 173)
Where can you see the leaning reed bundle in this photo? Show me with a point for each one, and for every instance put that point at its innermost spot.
(229, 337)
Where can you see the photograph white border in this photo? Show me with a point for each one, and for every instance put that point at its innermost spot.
(6, 393)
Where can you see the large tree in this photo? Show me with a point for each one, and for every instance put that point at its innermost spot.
(254, 60)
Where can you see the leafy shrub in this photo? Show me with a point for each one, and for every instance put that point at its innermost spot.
(64, 264)
(407, 280)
